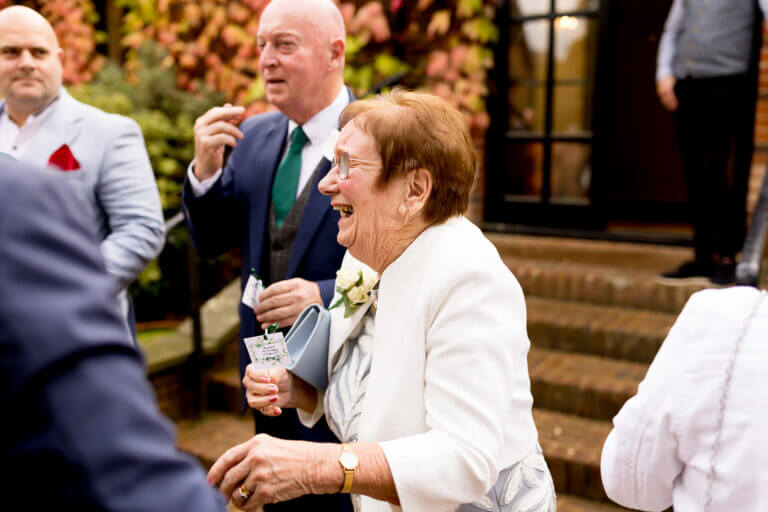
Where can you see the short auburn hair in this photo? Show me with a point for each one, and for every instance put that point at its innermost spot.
(415, 130)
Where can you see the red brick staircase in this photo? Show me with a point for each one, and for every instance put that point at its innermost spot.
(596, 317)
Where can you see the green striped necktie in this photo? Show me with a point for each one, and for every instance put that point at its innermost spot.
(287, 176)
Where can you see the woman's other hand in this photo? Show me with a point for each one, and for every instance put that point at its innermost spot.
(271, 470)
(268, 391)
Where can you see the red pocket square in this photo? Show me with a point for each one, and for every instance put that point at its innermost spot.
(64, 159)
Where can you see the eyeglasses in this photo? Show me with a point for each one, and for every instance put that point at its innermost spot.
(343, 164)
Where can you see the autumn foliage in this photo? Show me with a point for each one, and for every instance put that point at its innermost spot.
(441, 45)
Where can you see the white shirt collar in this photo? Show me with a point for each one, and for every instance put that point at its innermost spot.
(35, 118)
(325, 121)
(14, 139)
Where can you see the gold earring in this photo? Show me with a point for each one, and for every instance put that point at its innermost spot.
(405, 221)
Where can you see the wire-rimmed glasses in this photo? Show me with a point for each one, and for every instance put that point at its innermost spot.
(343, 161)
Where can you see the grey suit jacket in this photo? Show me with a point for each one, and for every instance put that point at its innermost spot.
(115, 182)
(80, 427)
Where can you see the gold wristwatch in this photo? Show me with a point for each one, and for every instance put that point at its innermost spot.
(348, 461)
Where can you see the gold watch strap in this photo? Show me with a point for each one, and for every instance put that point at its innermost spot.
(349, 477)
(349, 473)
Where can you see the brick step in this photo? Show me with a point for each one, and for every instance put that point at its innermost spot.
(568, 503)
(620, 333)
(213, 434)
(655, 258)
(224, 389)
(599, 284)
(572, 447)
(580, 384)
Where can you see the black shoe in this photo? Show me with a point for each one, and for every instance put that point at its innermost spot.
(724, 274)
(687, 273)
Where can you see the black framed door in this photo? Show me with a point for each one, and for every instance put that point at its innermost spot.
(539, 147)
(577, 137)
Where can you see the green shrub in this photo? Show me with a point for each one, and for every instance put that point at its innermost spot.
(166, 116)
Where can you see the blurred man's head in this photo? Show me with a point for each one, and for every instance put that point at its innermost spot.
(30, 62)
(301, 61)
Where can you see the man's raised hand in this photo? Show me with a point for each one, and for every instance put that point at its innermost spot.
(214, 130)
(282, 302)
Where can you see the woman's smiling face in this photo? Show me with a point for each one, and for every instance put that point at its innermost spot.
(369, 213)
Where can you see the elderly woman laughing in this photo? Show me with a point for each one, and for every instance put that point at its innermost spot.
(429, 387)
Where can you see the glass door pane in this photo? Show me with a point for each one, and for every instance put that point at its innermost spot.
(571, 175)
(576, 5)
(530, 7)
(522, 169)
(575, 48)
(572, 110)
(528, 51)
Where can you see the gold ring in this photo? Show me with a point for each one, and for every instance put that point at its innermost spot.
(245, 494)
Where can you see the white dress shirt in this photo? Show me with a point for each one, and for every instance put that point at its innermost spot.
(13, 139)
(317, 129)
(661, 451)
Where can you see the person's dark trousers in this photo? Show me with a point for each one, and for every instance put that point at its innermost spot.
(715, 124)
(288, 426)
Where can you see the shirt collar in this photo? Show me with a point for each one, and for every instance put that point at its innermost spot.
(325, 121)
(37, 117)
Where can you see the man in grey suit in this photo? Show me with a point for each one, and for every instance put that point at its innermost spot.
(102, 156)
(81, 430)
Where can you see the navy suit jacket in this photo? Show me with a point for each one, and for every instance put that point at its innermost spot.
(80, 429)
(235, 213)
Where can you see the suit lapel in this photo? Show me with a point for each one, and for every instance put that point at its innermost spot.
(260, 157)
(62, 127)
(317, 208)
(315, 211)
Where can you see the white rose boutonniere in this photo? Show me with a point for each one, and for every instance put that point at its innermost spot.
(355, 289)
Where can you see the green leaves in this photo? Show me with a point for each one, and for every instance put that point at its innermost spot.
(481, 30)
(164, 113)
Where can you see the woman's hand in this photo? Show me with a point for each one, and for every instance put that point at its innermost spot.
(271, 470)
(268, 391)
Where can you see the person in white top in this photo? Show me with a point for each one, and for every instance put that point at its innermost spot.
(695, 436)
(429, 387)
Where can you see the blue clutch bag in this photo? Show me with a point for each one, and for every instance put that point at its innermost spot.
(307, 343)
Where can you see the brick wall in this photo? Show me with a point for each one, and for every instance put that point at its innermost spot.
(761, 129)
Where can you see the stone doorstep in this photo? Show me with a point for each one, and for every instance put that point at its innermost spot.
(220, 323)
(599, 284)
(572, 447)
(621, 333)
(584, 385)
(655, 258)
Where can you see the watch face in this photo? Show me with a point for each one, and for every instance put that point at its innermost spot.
(348, 460)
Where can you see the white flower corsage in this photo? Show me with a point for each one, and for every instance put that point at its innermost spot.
(355, 289)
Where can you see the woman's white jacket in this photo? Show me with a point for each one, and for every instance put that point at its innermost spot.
(448, 397)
